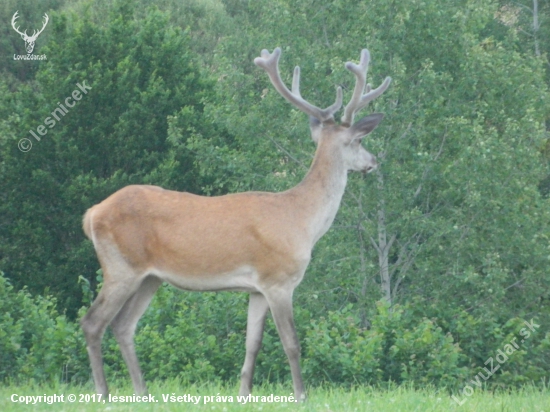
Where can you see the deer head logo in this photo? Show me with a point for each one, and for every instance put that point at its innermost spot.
(29, 40)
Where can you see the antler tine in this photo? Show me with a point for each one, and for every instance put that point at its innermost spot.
(358, 99)
(270, 63)
(15, 17)
(35, 34)
(296, 81)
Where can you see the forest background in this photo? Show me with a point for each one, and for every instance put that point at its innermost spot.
(435, 261)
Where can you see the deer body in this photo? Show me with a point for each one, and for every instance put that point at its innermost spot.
(202, 261)
(254, 242)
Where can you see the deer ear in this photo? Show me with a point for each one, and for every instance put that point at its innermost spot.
(364, 126)
(315, 126)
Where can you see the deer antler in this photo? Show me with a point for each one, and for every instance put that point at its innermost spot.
(15, 17)
(270, 63)
(35, 34)
(360, 100)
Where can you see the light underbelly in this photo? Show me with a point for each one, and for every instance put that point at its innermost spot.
(243, 279)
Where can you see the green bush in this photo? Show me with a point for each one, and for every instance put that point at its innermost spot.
(199, 337)
(482, 339)
(337, 350)
(36, 342)
(416, 350)
(397, 348)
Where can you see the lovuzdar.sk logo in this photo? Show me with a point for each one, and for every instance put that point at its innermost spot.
(29, 40)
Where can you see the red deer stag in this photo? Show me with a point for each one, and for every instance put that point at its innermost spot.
(252, 242)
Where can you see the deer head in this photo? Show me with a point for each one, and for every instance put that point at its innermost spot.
(344, 138)
(29, 40)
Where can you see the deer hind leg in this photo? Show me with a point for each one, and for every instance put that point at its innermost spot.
(257, 311)
(111, 298)
(280, 303)
(124, 326)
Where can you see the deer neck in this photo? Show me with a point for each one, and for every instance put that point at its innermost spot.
(322, 189)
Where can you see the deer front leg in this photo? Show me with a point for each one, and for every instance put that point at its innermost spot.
(257, 311)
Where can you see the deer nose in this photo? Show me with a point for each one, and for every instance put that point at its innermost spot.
(372, 166)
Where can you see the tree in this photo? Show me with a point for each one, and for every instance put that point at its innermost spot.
(453, 215)
(131, 75)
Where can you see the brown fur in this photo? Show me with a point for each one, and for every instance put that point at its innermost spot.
(256, 242)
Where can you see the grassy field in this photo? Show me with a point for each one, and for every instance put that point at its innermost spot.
(319, 399)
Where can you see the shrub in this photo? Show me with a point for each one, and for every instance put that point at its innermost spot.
(34, 337)
(199, 337)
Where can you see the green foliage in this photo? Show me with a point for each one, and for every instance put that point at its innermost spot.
(397, 348)
(35, 341)
(481, 339)
(140, 72)
(338, 350)
(201, 337)
(460, 152)
(417, 350)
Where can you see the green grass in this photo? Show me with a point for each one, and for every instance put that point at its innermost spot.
(359, 399)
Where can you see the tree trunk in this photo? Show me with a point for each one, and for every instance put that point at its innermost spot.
(383, 246)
